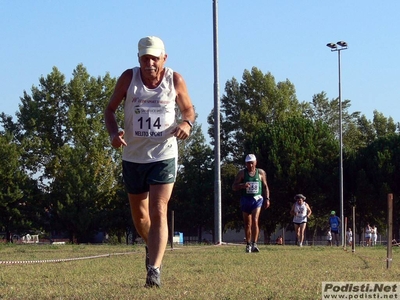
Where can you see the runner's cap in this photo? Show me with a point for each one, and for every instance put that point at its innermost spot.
(250, 157)
(151, 45)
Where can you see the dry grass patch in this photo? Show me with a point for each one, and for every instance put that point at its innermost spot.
(189, 272)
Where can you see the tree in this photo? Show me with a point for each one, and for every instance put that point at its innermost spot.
(68, 148)
(383, 126)
(294, 142)
(327, 111)
(42, 123)
(299, 156)
(374, 173)
(231, 214)
(247, 106)
(12, 178)
(192, 196)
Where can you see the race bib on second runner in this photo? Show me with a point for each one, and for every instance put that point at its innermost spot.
(253, 188)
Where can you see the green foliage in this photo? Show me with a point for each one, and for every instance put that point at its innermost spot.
(14, 197)
(297, 144)
(250, 104)
(374, 173)
(231, 213)
(300, 157)
(67, 149)
(193, 191)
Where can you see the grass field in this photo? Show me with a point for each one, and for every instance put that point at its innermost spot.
(189, 272)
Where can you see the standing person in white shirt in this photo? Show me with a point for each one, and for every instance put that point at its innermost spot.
(374, 235)
(329, 237)
(349, 237)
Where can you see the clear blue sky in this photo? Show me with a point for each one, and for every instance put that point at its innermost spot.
(286, 38)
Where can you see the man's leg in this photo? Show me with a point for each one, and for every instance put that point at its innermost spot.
(247, 226)
(337, 239)
(297, 231)
(158, 232)
(247, 230)
(255, 230)
(302, 228)
(139, 204)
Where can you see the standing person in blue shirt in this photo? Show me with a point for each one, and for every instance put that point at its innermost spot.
(255, 192)
(334, 223)
(149, 94)
(300, 211)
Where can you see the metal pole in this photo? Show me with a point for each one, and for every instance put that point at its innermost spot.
(353, 245)
(341, 150)
(217, 154)
(389, 231)
(334, 47)
(345, 230)
(172, 229)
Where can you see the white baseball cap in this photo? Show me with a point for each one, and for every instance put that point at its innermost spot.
(250, 157)
(151, 45)
(299, 196)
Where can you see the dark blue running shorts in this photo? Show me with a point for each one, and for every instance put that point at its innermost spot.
(248, 204)
(138, 177)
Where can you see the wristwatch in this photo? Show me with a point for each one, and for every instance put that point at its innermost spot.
(190, 123)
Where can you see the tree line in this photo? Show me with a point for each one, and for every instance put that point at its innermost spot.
(59, 174)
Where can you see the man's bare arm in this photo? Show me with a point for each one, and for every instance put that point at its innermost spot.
(238, 184)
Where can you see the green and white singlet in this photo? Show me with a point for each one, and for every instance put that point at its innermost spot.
(255, 188)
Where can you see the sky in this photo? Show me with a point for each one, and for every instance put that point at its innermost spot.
(286, 38)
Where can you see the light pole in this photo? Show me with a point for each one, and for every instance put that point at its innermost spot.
(217, 126)
(338, 47)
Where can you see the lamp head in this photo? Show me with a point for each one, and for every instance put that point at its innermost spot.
(342, 44)
(331, 45)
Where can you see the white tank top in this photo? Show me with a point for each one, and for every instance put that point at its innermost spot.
(149, 118)
(301, 213)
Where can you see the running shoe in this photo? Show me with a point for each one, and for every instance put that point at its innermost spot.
(153, 278)
(248, 248)
(254, 248)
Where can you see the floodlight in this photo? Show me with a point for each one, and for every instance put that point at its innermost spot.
(331, 45)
